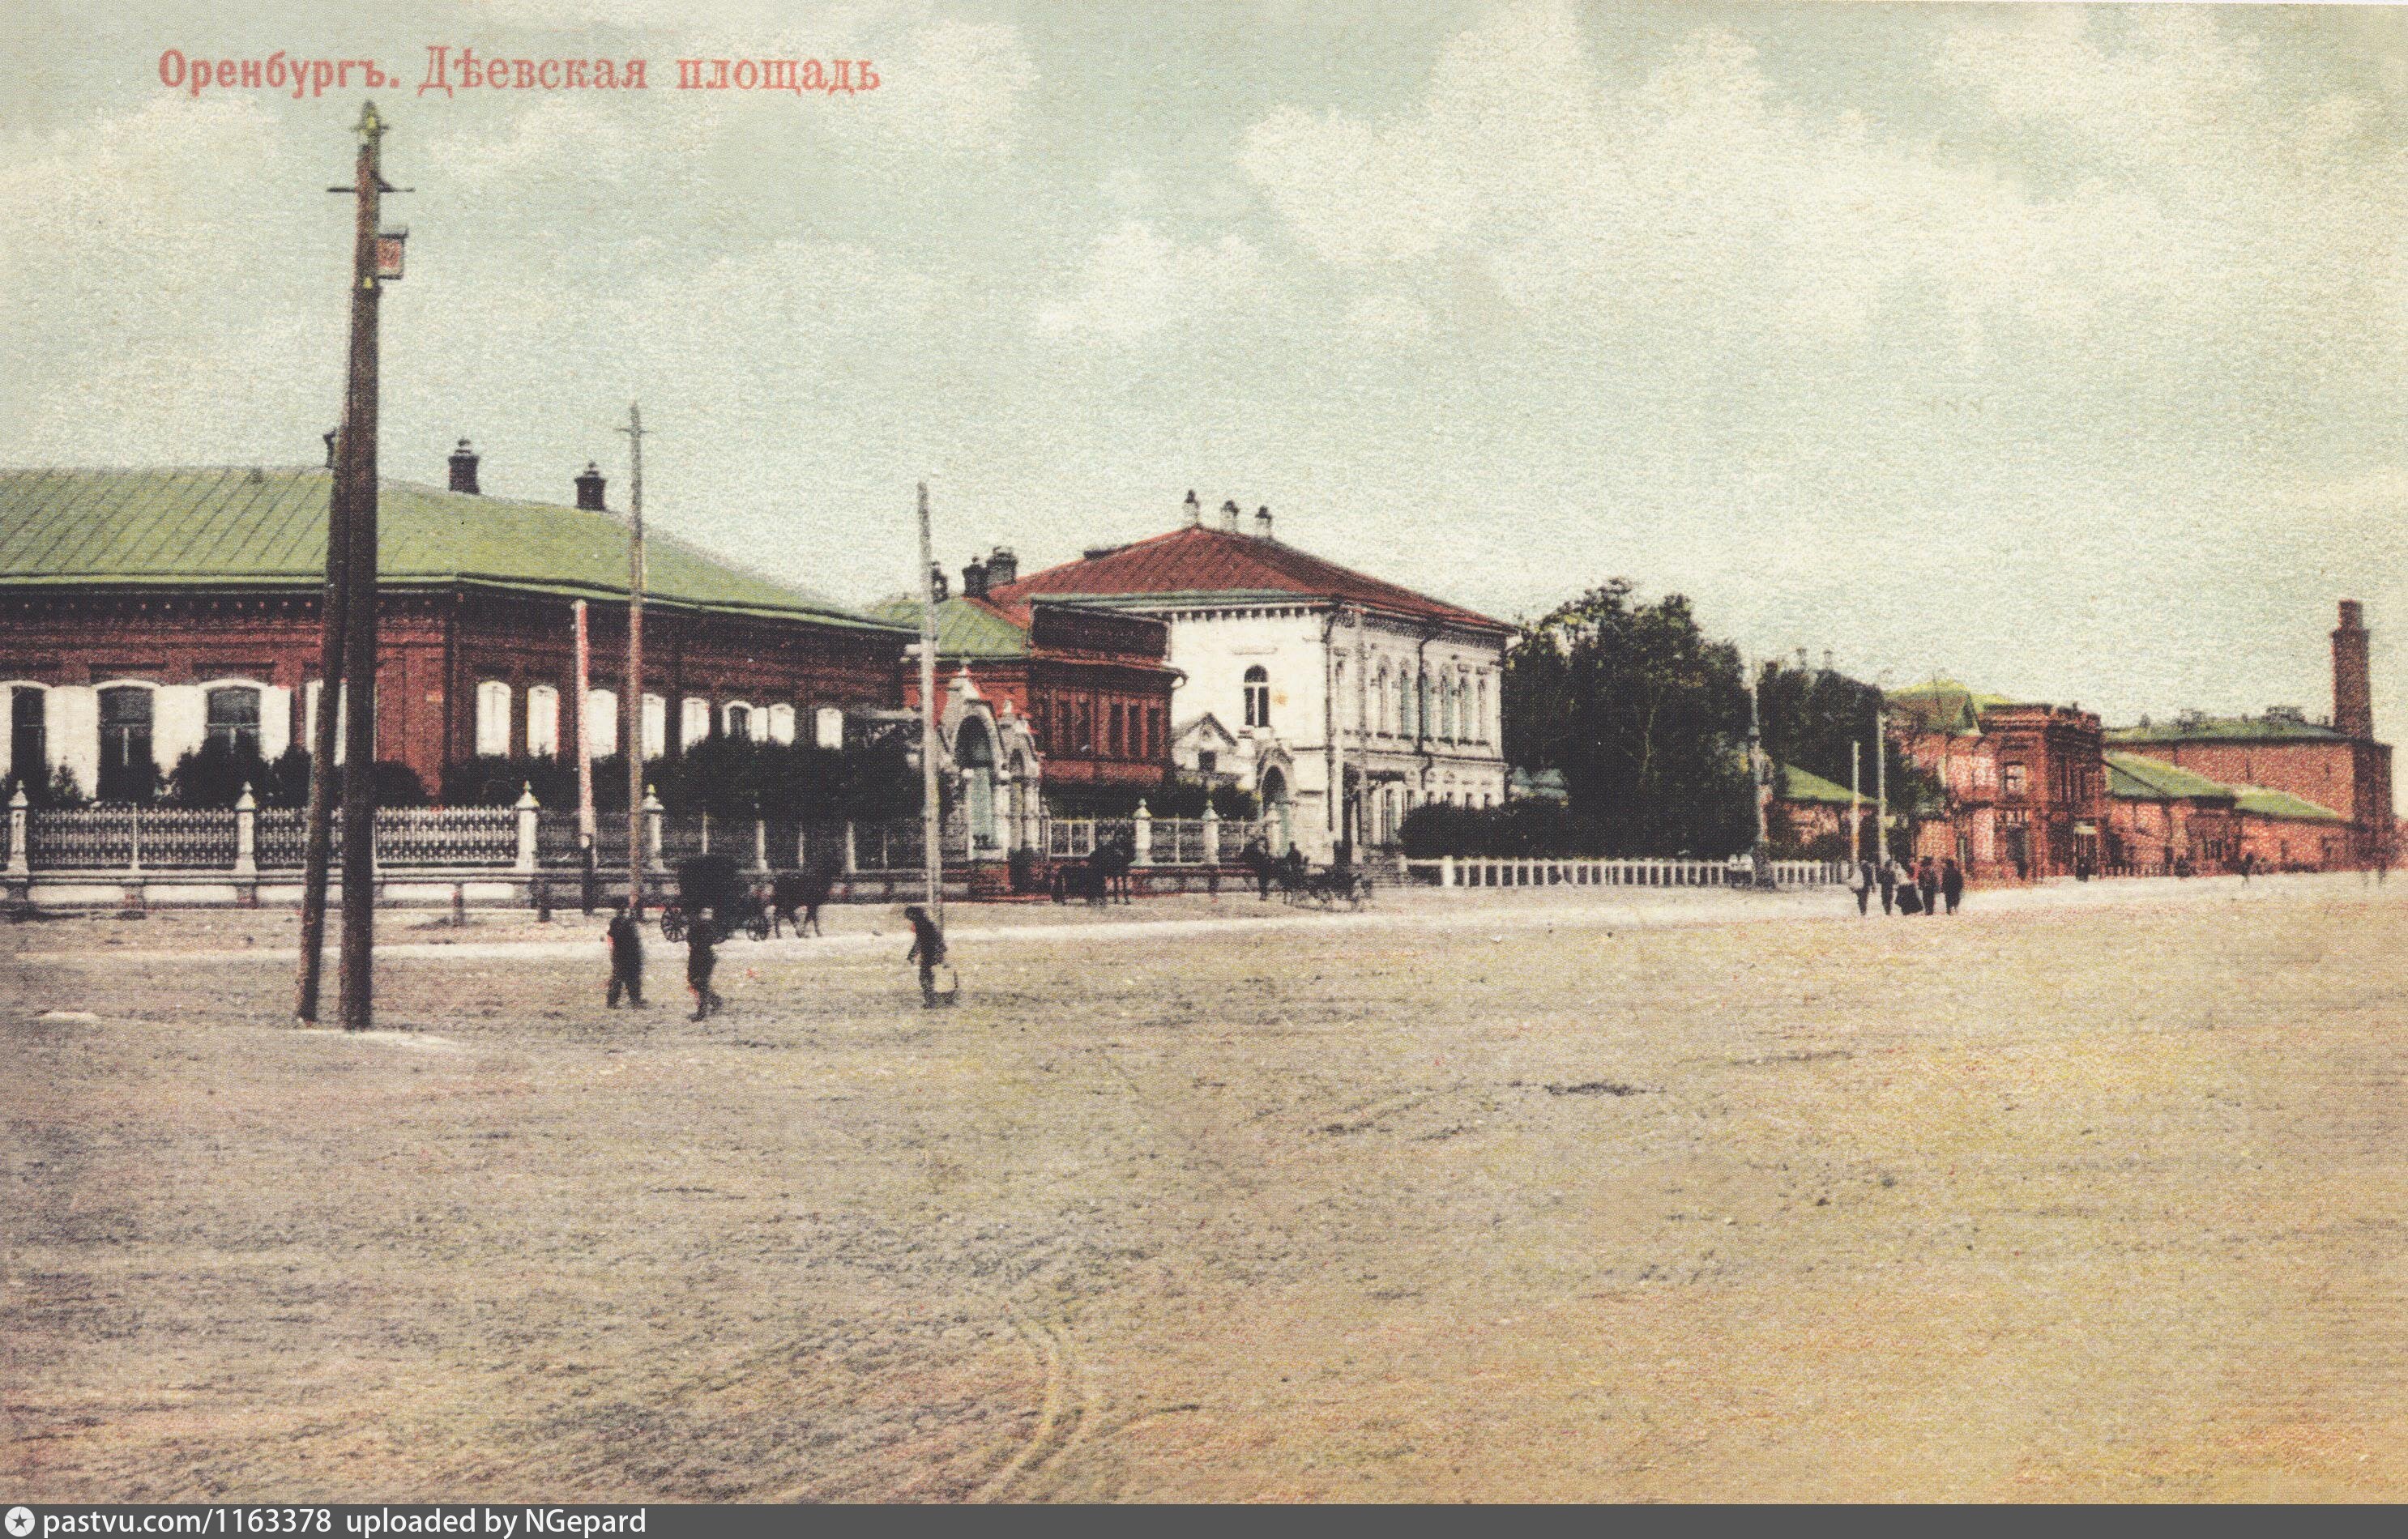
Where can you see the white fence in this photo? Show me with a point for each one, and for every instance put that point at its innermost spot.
(1498, 871)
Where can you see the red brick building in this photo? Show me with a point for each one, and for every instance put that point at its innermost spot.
(2335, 765)
(144, 612)
(2165, 818)
(2023, 786)
(1091, 687)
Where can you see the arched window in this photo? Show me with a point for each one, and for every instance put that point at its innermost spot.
(1258, 697)
(694, 721)
(493, 719)
(1480, 724)
(1421, 704)
(1338, 694)
(543, 721)
(230, 719)
(657, 726)
(127, 771)
(735, 721)
(601, 722)
(28, 743)
(830, 727)
(781, 723)
(1380, 722)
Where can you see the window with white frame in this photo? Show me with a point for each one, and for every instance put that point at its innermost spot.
(829, 727)
(781, 723)
(657, 726)
(694, 721)
(232, 719)
(735, 720)
(1258, 697)
(543, 721)
(601, 722)
(493, 719)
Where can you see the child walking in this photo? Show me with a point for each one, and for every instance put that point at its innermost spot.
(927, 949)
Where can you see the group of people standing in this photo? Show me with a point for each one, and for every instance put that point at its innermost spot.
(1919, 889)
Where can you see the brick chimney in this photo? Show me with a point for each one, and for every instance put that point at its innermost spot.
(2352, 695)
(1262, 523)
(1002, 568)
(1195, 508)
(589, 490)
(1229, 517)
(332, 434)
(938, 583)
(463, 469)
(974, 580)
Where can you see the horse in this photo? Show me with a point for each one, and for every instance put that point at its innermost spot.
(1108, 869)
(796, 896)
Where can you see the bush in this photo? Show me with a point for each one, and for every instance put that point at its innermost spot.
(1518, 829)
(215, 774)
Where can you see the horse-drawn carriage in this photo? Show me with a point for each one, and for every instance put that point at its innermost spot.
(1322, 886)
(711, 883)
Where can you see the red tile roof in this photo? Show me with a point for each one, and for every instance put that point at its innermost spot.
(1194, 560)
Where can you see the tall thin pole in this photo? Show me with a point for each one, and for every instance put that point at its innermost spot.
(931, 813)
(634, 431)
(1881, 788)
(318, 847)
(584, 726)
(1855, 801)
(359, 467)
(1758, 780)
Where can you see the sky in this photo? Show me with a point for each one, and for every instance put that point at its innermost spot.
(2059, 350)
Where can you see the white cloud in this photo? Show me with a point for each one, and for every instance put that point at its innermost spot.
(1137, 281)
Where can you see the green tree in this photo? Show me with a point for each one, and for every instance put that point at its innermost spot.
(1645, 717)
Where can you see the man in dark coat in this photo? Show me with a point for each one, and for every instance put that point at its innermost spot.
(927, 949)
(701, 957)
(627, 942)
(1864, 884)
(1926, 882)
(1952, 883)
(1256, 857)
(1888, 884)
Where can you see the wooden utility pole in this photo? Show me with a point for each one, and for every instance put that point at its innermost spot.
(634, 431)
(1856, 803)
(317, 846)
(1881, 789)
(584, 727)
(1759, 785)
(932, 805)
(358, 470)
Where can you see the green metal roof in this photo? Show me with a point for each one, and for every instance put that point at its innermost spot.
(1942, 705)
(2266, 803)
(239, 527)
(966, 628)
(2135, 778)
(1797, 785)
(2225, 729)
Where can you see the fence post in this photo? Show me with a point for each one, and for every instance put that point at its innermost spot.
(526, 807)
(851, 853)
(1446, 871)
(760, 844)
(1212, 833)
(1141, 836)
(705, 832)
(246, 834)
(20, 852)
(652, 861)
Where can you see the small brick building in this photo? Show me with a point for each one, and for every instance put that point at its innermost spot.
(1091, 687)
(144, 612)
(2023, 786)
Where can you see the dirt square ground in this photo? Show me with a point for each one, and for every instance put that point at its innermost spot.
(2089, 1192)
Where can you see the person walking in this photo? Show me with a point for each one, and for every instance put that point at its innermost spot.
(1909, 901)
(626, 939)
(1926, 881)
(1256, 859)
(1863, 886)
(701, 957)
(1952, 883)
(927, 949)
(1889, 885)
